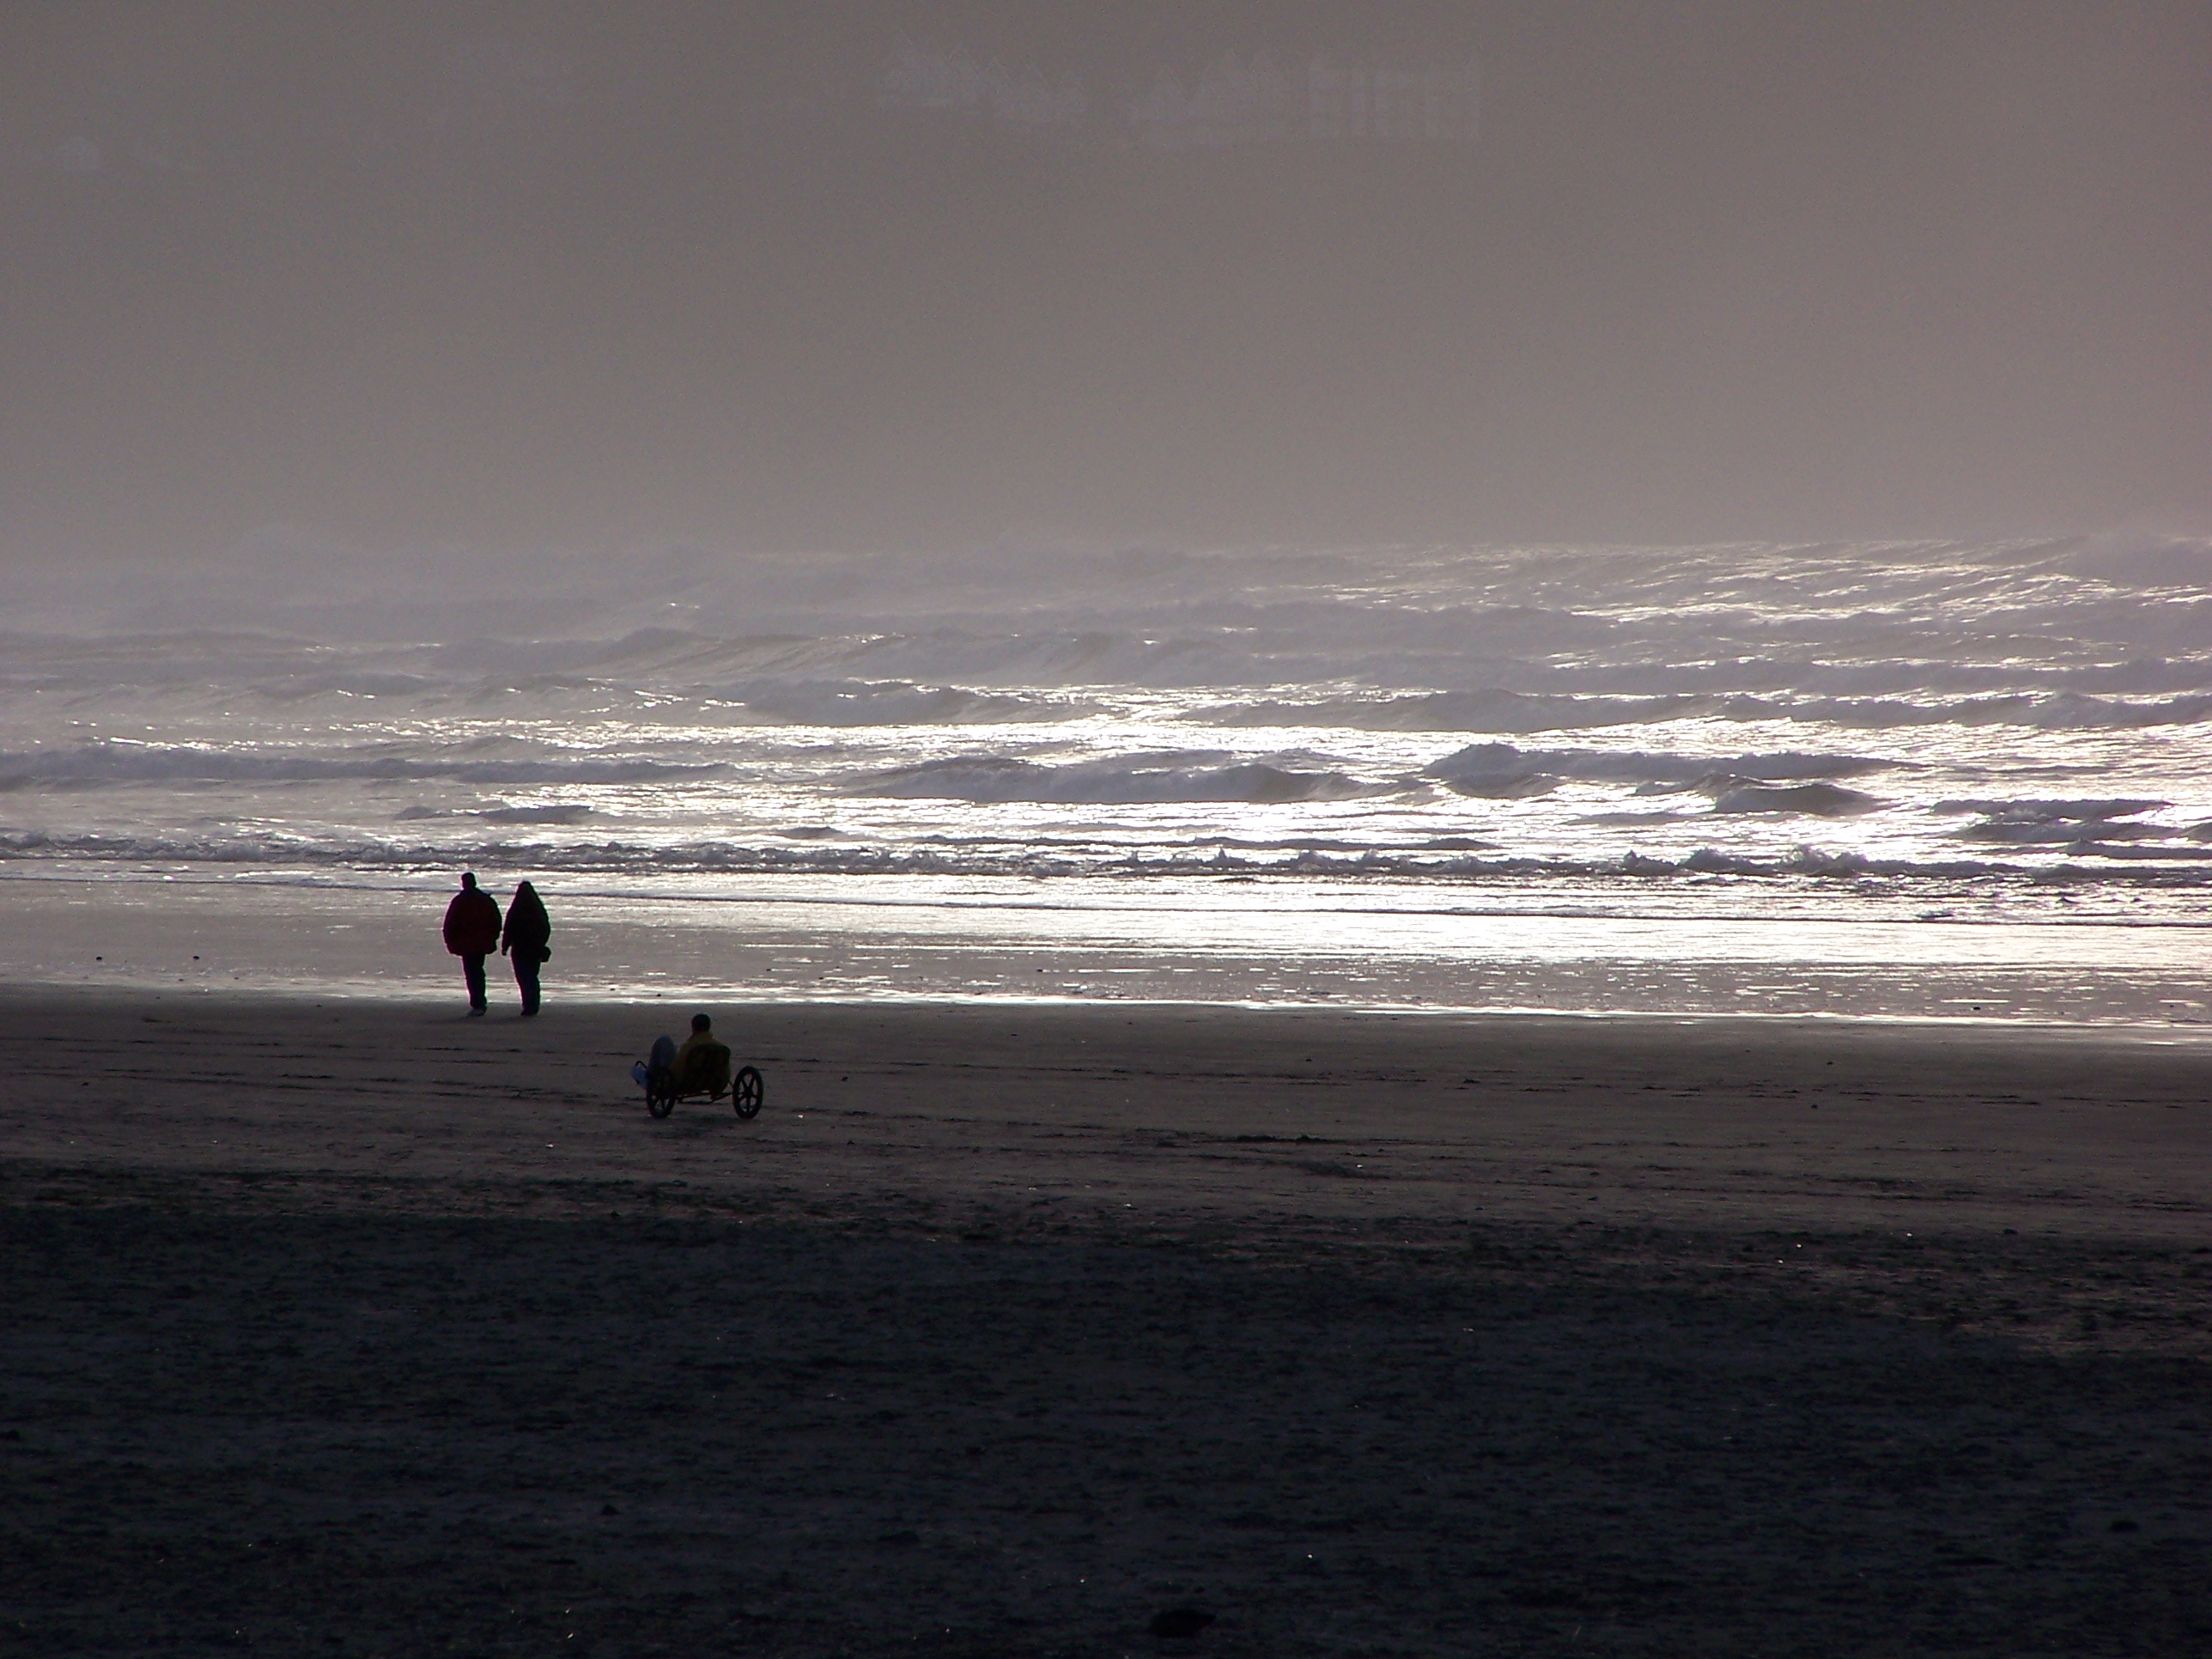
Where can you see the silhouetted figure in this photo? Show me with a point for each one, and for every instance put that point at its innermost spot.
(472, 934)
(703, 1064)
(527, 941)
(701, 1067)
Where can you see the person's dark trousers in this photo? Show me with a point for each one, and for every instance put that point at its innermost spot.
(525, 979)
(472, 971)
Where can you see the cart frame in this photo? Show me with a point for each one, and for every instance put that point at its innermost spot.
(745, 1091)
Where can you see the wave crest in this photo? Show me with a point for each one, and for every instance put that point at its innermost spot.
(1521, 712)
(1487, 766)
(1132, 779)
(112, 762)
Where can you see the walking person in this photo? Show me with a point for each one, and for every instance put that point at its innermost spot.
(472, 934)
(526, 942)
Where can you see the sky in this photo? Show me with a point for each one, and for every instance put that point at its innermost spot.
(503, 278)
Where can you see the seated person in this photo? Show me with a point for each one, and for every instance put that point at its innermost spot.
(701, 1067)
(703, 1064)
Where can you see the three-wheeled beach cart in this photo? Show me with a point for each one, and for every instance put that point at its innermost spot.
(705, 1076)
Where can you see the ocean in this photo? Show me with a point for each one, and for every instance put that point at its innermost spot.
(1968, 780)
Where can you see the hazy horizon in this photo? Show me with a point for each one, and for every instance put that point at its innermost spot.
(877, 276)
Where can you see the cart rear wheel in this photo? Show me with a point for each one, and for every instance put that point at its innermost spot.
(660, 1101)
(746, 1092)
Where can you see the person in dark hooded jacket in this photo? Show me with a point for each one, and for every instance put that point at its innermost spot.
(472, 934)
(526, 942)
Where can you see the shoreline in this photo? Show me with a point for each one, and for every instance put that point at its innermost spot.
(837, 946)
(425, 995)
(423, 989)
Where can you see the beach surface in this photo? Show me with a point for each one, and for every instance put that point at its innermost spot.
(349, 1324)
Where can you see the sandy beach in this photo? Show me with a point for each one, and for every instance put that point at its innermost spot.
(1453, 764)
(352, 1325)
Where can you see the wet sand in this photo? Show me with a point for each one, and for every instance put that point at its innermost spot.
(356, 1326)
(1211, 942)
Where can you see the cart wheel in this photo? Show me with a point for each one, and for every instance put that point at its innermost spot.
(659, 1102)
(745, 1092)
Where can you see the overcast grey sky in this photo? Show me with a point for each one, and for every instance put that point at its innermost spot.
(874, 276)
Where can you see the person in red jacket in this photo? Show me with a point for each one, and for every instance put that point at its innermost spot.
(472, 934)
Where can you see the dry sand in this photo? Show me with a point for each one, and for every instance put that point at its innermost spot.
(358, 1326)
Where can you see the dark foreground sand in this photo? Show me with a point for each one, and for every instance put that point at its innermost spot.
(362, 1327)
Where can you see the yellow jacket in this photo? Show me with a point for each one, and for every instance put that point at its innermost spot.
(703, 1064)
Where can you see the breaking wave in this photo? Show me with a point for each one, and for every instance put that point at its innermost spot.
(1523, 712)
(1123, 780)
(1494, 768)
(1931, 712)
(899, 702)
(2113, 827)
(1475, 863)
(2032, 811)
(1818, 800)
(118, 762)
(561, 813)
